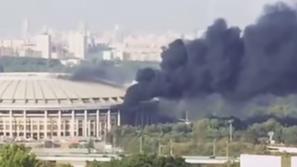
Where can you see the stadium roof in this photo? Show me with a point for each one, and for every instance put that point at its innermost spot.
(35, 91)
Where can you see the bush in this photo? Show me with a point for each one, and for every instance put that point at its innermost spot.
(142, 161)
(17, 156)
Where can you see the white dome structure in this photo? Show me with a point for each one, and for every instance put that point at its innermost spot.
(42, 106)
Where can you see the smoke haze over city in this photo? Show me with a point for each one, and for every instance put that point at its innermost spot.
(131, 15)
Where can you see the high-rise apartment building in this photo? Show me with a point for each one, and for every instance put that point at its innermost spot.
(43, 45)
(77, 45)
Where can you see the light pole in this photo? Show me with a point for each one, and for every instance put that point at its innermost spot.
(230, 122)
(171, 147)
(227, 153)
(140, 141)
(214, 148)
(141, 144)
(160, 145)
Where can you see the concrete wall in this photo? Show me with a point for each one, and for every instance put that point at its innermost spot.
(260, 161)
(293, 161)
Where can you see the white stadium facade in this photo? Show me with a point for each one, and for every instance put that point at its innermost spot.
(43, 106)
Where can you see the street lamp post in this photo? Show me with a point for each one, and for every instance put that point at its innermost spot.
(214, 148)
(227, 153)
(141, 144)
(230, 122)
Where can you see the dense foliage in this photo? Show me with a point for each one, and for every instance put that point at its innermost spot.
(17, 156)
(200, 137)
(142, 161)
(30, 64)
(20, 156)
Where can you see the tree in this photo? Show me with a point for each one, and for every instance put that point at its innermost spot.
(260, 130)
(290, 135)
(17, 156)
(143, 161)
(90, 145)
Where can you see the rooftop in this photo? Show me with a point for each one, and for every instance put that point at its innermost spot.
(19, 90)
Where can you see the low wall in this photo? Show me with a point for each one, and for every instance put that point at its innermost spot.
(260, 161)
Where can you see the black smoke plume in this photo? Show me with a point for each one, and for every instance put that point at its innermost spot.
(237, 65)
(103, 72)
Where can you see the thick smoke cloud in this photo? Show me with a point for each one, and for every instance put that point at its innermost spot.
(106, 72)
(237, 65)
(269, 63)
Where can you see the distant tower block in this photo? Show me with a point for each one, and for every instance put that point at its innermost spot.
(116, 34)
(77, 45)
(43, 44)
(25, 29)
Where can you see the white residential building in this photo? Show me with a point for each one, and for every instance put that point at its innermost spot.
(43, 44)
(77, 45)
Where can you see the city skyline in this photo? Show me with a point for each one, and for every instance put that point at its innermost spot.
(131, 16)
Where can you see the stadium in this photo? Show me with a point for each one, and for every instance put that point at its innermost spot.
(44, 106)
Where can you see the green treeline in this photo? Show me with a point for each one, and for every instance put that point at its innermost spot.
(28, 64)
(19, 156)
(203, 137)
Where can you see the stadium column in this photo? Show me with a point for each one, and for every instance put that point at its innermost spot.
(4, 127)
(64, 127)
(97, 123)
(38, 129)
(45, 123)
(85, 134)
(31, 127)
(72, 123)
(59, 123)
(25, 123)
(10, 124)
(76, 130)
(89, 128)
(108, 121)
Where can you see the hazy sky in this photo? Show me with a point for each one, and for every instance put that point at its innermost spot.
(133, 15)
